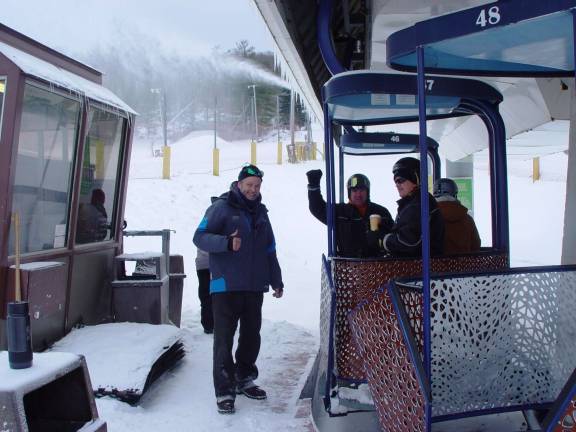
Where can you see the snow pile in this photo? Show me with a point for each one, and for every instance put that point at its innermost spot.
(119, 355)
(183, 399)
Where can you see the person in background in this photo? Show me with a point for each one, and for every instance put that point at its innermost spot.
(460, 234)
(405, 238)
(237, 234)
(203, 272)
(92, 219)
(352, 223)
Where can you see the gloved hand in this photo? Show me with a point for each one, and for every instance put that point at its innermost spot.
(374, 239)
(314, 177)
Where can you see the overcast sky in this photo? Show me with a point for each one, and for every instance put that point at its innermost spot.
(186, 26)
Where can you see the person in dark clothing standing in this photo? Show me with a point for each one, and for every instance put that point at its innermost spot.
(352, 221)
(461, 235)
(237, 234)
(405, 239)
(203, 272)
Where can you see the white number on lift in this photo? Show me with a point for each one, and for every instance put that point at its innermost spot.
(488, 17)
(395, 138)
(429, 84)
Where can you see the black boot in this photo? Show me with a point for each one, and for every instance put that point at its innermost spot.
(226, 406)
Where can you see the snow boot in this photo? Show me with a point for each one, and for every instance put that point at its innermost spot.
(226, 406)
(253, 392)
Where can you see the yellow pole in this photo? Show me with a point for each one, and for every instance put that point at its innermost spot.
(216, 162)
(166, 163)
(253, 153)
(313, 151)
(535, 169)
(279, 154)
(99, 169)
(17, 290)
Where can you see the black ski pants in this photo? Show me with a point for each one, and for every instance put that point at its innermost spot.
(229, 309)
(206, 317)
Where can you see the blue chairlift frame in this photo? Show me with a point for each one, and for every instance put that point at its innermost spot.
(382, 143)
(503, 38)
(369, 98)
(461, 97)
(467, 43)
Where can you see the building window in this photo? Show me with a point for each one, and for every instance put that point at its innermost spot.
(43, 176)
(100, 168)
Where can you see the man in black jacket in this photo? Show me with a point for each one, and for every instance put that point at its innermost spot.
(405, 239)
(352, 221)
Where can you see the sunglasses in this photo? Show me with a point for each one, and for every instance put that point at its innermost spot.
(399, 180)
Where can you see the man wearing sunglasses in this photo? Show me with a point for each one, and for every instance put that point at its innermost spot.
(405, 239)
(238, 235)
(352, 225)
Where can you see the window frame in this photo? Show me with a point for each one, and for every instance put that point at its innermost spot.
(49, 88)
(92, 104)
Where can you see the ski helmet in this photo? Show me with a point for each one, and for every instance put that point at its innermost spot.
(358, 181)
(445, 186)
(407, 168)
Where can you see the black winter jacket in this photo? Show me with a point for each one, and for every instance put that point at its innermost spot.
(350, 226)
(406, 236)
(255, 266)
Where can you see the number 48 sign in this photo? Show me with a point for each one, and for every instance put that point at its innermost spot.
(488, 17)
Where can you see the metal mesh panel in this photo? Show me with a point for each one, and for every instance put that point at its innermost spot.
(356, 281)
(326, 352)
(413, 305)
(395, 389)
(325, 305)
(501, 340)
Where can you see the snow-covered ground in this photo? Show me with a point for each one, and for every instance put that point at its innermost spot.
(183, 400)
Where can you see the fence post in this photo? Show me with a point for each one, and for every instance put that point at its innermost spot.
(279, 154)
(216, 162)
(535, 169)
(253, 153)
(166, 163)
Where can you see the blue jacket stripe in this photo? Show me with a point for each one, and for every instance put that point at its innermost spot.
(217, 285)
(203, 224)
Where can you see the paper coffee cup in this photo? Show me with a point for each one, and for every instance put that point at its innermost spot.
(375, 220)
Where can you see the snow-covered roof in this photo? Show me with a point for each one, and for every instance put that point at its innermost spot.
(41, 69)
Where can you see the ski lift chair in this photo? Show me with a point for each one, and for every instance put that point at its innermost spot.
(362, 99)
(493, 344)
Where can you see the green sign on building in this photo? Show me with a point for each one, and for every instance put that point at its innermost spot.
(466, 192)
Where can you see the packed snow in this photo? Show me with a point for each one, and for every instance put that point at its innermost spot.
(119, 355)
(183, 400)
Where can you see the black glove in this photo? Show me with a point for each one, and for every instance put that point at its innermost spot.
(314, 177)
(374, 239)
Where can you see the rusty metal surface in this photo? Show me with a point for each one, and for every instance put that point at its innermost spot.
(356, 281)
(397, 395)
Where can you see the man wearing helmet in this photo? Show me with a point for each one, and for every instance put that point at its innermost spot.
(405, 239)
(352, 218)
(461, 235)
